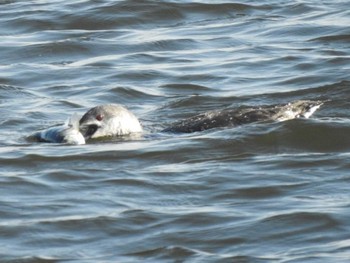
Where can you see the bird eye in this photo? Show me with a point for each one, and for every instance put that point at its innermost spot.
(99, 117)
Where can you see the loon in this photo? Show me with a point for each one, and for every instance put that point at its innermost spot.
(116, 120)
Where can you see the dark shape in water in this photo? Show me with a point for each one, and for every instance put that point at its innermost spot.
(235, 117)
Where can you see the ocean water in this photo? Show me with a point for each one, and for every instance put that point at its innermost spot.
(264, 192)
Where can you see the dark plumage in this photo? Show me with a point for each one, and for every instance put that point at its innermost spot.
(235, 117)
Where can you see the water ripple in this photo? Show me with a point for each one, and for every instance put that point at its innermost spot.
(264, 192)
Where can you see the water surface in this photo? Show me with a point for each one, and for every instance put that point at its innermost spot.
(265, 192)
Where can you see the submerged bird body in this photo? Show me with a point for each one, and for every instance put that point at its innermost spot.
(236, 117)
(116, 120)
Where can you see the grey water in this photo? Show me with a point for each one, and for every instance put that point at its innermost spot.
(264, 192)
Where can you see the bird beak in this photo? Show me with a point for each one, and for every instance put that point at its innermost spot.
(88, 130)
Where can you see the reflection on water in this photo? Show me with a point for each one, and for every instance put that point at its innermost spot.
(263, 192)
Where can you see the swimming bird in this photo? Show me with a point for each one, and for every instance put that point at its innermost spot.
(116, 120)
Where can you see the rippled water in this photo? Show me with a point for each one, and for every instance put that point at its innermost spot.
(268, 192)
